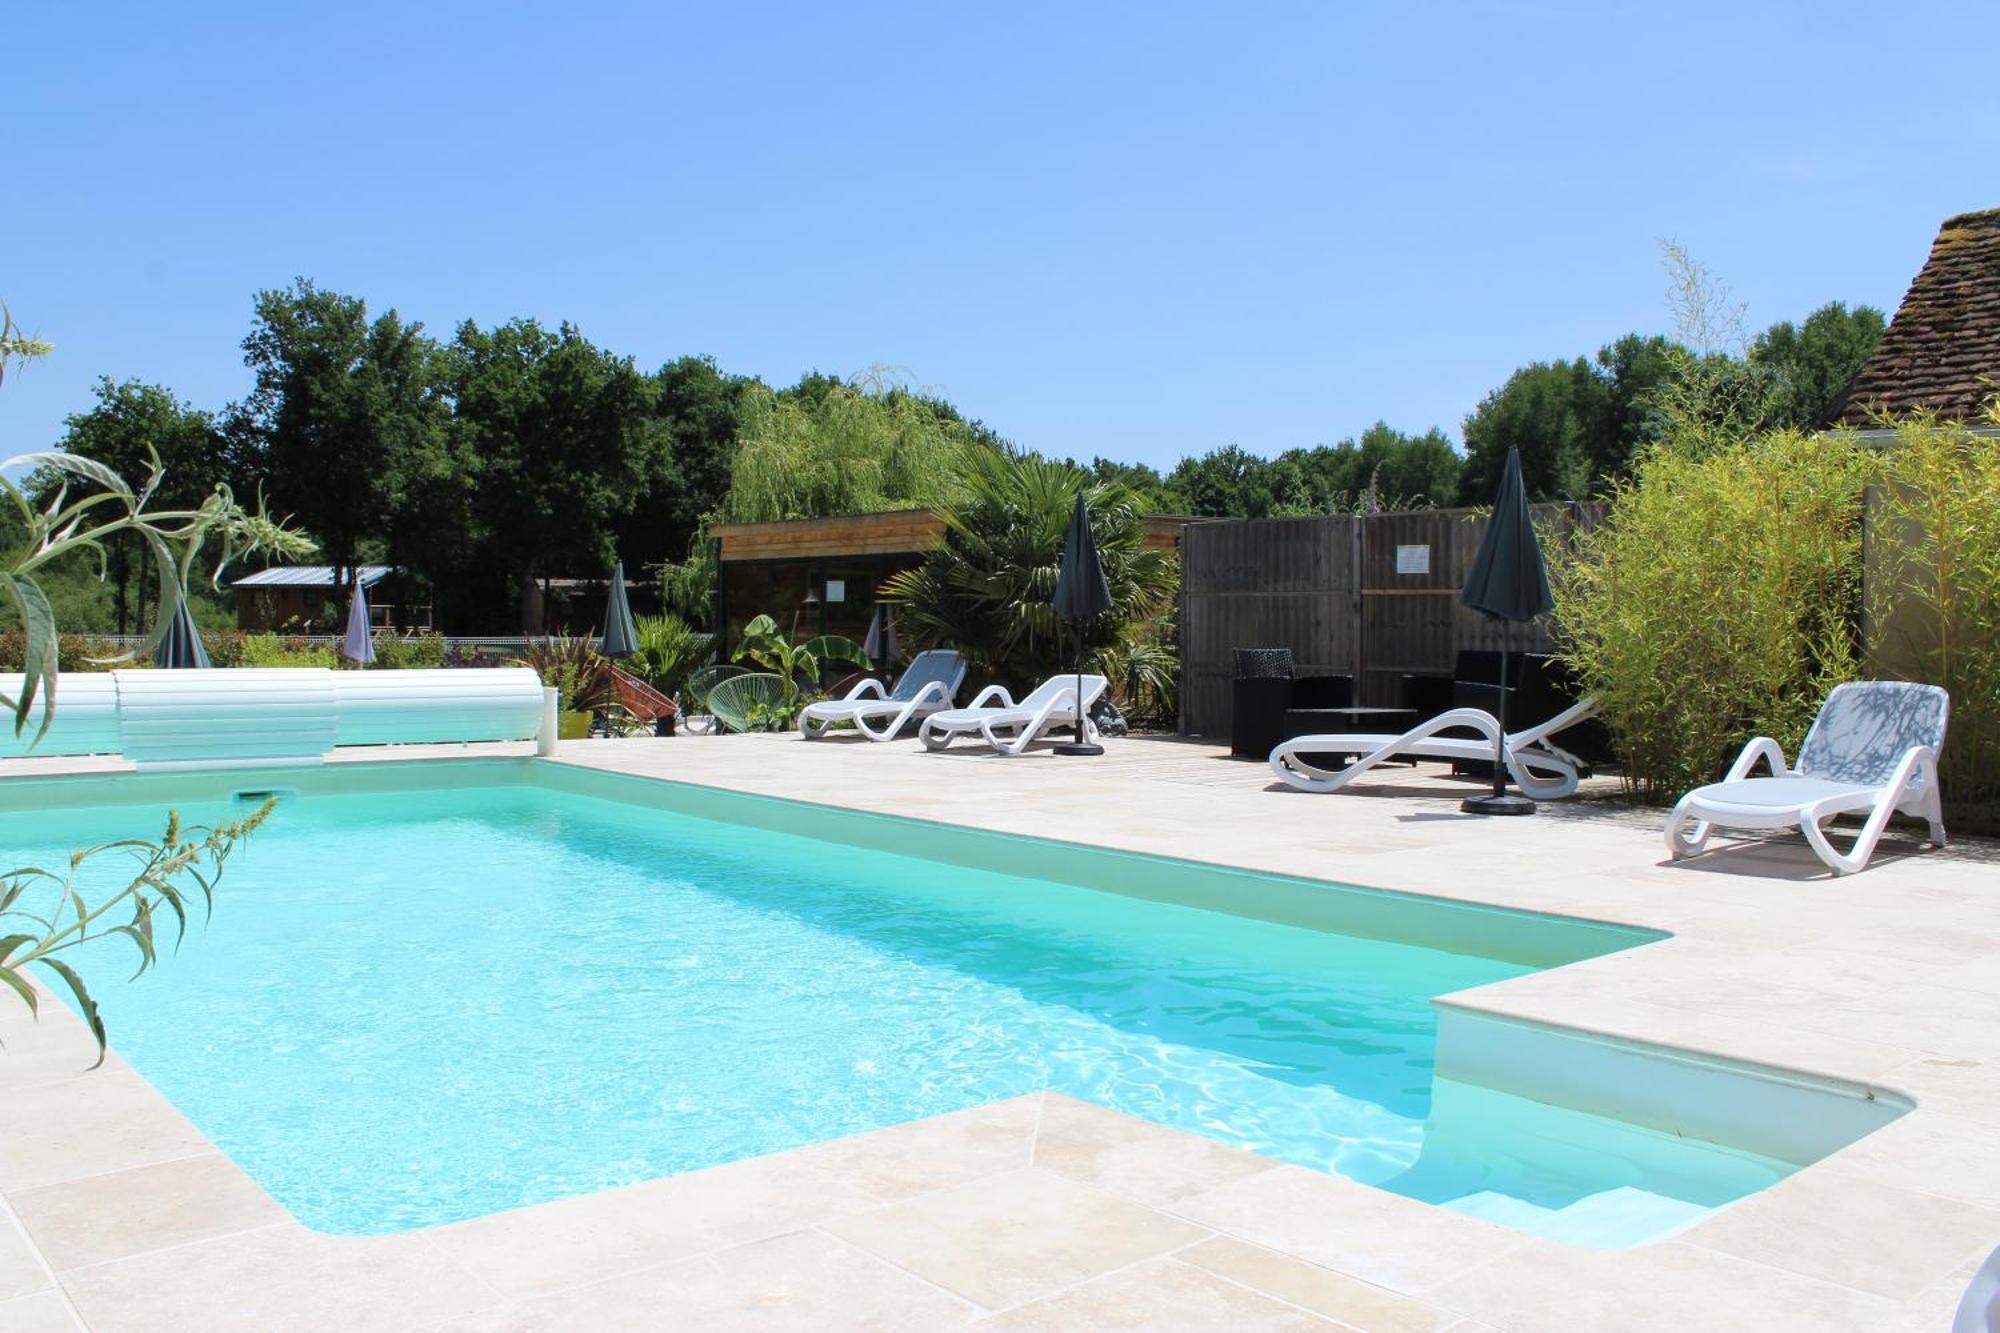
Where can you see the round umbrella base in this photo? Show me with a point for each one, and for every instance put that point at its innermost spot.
(1078, 747)
(1497, 805)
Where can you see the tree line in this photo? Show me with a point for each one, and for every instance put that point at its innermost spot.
(511, 454)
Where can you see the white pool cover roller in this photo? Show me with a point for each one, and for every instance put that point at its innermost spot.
(225, 715)
(445, 704)
(86, 720)
(250, 715)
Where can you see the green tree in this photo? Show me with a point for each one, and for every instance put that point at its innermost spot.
(1810, 365)
(566, 440)
(339, 405)
(701, 408)
(1557, 413)
(988, 588)
(130, 426)
(1230, 482)
(837, 448)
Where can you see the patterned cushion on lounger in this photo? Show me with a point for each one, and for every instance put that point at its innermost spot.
(1866, 726)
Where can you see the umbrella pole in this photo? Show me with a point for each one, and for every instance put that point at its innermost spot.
(1080, 745)
(1500, 801)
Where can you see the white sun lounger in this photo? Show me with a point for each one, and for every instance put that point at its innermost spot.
(1873, 749)
(1010, 727)
(1540, 768)
(927, 684)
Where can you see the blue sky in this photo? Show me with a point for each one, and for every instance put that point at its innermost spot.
(1121, 229)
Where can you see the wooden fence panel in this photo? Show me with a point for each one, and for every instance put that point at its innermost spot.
(1375, 595)
(1262, 583)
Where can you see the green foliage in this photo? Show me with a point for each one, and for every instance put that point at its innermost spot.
(130, 427)
(670, 650)
(797, 665)
(339, 407)
(565, 438)
(687, 587)
(79, 652)
(412, 651)
(1934, 589)
(17, 347)
(987, 589)
(44, 913)
(580, 674)
(271, 650)
(831, 447)
(1573, 421)
(1383, 469)
(61, 528)
(1808, 367)
(1718, 599)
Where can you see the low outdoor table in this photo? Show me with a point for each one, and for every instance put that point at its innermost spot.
(1358, 717)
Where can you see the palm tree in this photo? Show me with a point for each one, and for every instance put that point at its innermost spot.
(986, 589)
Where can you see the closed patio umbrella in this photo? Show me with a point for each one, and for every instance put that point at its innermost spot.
(357, 645)
(881, 644)
(181, 645)
(1509, 582)
(621, 635)
(1081, 594)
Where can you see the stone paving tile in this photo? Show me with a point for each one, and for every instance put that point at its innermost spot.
(1158, 1296)
(1809, 1223)
(1147, 1163)
(110, 1120)
(801, 1282)
(21, 1268)
(1349, 1301)
(44, 1312)
(932, 1154)
(123, 1213)
(1369, 1234)
(1669, 1288)
(282, 1279)
(1013, 1238)
(530, 1251)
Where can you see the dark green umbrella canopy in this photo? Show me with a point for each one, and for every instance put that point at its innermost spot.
(1508, 578)
(621, 636)
(1081, 590)
(181, 647)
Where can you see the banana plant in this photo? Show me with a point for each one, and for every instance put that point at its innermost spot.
(796, 664)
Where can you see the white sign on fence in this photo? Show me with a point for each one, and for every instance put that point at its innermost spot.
(1413, 559)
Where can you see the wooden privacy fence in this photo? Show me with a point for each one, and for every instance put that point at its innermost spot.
(1372, 595)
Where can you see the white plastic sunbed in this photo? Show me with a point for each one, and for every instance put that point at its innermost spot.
(1540, 768)
(927, 684)
(1873, 748)
(1011, 727)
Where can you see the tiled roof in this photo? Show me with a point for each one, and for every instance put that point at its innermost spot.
(1942, 350)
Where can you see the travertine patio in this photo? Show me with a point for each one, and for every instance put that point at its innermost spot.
(1045, 1213)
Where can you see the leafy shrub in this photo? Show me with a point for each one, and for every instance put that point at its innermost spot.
(579, 673)
(270, 650)
(1719, 598)
(1934, 586)
(417, 652)
(225, 646)
(670, 650)
(77, 652)
(988, 589)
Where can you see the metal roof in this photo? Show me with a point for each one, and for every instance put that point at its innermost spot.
(309, 576)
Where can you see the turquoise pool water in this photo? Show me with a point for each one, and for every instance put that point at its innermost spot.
(417, 1006)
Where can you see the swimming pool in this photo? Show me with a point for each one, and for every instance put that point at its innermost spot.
(433, 991)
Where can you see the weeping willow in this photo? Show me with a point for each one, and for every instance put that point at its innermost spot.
(855, 448)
